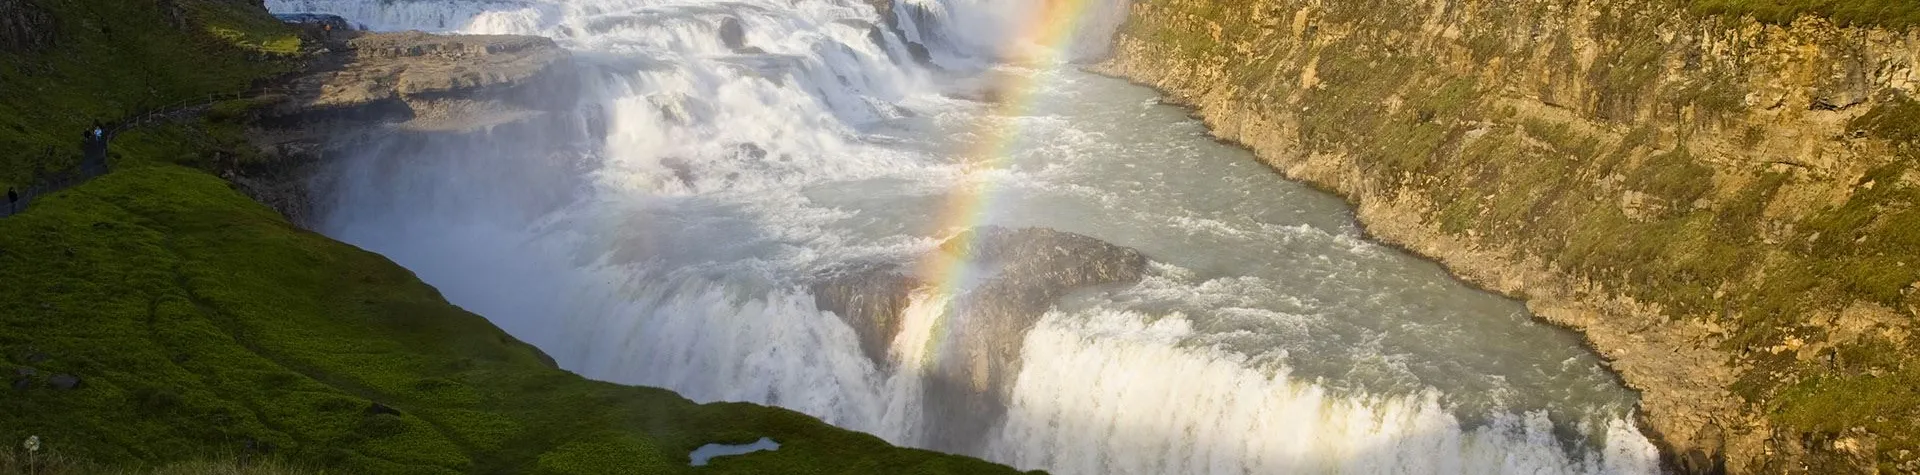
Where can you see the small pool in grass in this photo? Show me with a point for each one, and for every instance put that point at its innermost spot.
(708, 452)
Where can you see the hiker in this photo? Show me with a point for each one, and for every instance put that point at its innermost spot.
(13, 200)
(326, 31)
(94, 150)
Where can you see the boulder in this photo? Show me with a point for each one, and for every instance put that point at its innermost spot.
(733, 35)
(376, 408)
(1697, 462)
(64, 382)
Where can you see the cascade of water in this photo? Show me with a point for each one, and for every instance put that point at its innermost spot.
(675, 249)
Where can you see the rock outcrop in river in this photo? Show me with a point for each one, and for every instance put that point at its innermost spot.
(1727, 209)
(1021, 273)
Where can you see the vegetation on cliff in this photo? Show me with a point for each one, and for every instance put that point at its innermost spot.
(155, 316)
(1705, 187)
(1890, 13)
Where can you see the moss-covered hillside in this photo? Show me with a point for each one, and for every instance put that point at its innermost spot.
(155, 315)
(104, 60)
(200, 322)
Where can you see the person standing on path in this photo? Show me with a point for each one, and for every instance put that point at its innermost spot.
(93, 148)
(13, 200)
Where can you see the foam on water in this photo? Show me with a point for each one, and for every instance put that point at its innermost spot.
(1101, 391)
(675, 250)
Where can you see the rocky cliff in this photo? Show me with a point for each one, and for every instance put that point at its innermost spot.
(24, 27)
(1725, 208)
(374, 85)
(433, 82)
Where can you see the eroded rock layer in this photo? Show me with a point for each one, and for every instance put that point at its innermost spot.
(405, 89)
(1018, 275)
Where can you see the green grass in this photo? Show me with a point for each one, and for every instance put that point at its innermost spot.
(1887, 13)
(200, 320)
(115, 57)
(1674, 177)
(1898, 121)
(18, 462)
(205, 327)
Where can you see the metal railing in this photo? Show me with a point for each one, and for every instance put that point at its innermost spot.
(50, 183)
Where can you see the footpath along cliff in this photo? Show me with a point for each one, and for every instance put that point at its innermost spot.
(1726, 208)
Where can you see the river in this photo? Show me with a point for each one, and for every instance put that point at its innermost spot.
(673, 246)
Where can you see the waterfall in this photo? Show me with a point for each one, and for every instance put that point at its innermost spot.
(675, 248)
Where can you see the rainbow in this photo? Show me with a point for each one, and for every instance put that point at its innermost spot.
(1043, 40)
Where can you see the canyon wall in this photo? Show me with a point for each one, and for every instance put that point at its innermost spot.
(371, 87)
(1725, 208)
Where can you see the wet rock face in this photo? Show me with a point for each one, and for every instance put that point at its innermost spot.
(25, 27)
(172, 13)
(1021, 274)
(917, 52)
(1027, 271)
(870, 297)
(433, 82)
(734, 36)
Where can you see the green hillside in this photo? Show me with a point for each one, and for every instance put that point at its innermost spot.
(201, 325)
(198, 320)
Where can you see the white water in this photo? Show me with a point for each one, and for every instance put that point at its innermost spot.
(1269, 337)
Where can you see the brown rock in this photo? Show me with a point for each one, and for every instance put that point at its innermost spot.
(25, 27)
(1024, 272)
(64, 382)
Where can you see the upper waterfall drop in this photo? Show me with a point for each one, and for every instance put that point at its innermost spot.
(997, 30)
(751, 150)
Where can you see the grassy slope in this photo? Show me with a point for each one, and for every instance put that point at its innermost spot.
(200, 320)
(1888, 13)
(112, 58)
